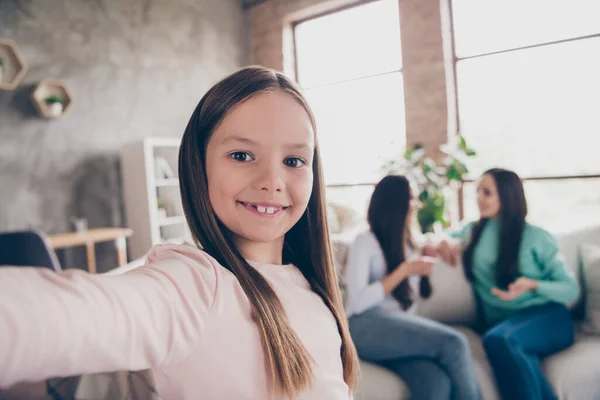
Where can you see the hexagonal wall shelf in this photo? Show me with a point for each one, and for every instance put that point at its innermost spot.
(13, 65)
(52, 98)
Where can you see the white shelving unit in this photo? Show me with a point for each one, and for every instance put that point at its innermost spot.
(144, 183)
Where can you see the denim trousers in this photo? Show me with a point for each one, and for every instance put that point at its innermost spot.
(515, 346)
(434, 360)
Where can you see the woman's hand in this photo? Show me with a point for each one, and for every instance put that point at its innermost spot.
(421, 266)
(429, 250)
(516, 289)
(450, 253)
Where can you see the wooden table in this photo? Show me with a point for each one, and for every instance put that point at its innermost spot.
(89, 240)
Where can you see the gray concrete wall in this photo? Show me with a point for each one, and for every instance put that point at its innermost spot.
(136, 67)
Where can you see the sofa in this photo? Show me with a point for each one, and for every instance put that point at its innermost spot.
(574, 373)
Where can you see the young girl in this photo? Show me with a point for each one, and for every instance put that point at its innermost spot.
(521, 285)
(256, 314)
(382, 278)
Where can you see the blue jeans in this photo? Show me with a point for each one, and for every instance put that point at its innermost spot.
(433, 359)
(514, 348)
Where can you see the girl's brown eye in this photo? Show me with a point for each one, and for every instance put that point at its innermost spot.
(240, 156)
(294, 162)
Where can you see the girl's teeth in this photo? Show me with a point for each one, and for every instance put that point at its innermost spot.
(268, 210)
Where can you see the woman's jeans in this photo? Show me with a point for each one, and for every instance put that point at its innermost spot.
(434, 360)
(514, 348)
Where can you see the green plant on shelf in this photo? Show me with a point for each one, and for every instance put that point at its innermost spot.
(162, 210)
(54, 99)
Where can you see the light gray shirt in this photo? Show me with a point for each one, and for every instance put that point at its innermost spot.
(365, 268)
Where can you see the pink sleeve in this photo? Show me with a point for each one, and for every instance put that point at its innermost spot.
(73, 323)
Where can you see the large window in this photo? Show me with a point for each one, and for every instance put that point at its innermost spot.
(528, 85)
(350, 66)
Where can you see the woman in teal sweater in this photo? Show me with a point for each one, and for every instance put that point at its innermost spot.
(520, 283)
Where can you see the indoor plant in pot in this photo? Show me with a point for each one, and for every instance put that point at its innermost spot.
(433, 180)
(55, 105)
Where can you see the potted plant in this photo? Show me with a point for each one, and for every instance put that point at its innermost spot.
(55, 105)
(1, 68)
(434, 181)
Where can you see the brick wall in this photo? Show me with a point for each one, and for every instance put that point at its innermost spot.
(426, 56)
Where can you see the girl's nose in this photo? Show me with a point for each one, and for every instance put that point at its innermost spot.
(270, 178)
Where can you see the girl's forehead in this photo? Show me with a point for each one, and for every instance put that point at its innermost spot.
(268, 117)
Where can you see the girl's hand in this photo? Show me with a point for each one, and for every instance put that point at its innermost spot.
(450, 253)
(516, 289)
(421, 266)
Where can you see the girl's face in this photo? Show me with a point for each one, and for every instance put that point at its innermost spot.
(487, 197)
(259, 168)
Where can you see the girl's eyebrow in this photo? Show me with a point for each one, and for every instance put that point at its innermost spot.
(299, 146)
(241, 139)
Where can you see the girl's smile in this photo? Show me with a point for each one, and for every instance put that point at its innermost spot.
(266, 210)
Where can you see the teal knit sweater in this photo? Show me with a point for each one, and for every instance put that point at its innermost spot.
(539, 259)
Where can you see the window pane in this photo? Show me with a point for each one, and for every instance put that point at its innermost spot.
(556, 205)
(486, 26)
(536, 111)
(357, 42)
(360, 124)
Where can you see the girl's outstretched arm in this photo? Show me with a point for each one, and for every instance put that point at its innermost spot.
(72, 323)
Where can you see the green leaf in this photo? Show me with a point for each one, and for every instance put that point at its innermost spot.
(54, 99)
(453, 174)
(415, 156)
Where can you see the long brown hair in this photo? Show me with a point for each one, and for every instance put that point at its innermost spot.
(307, 243)
(513, 210)
(388, 218)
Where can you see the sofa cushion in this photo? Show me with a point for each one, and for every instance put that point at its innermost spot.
(452, 300)
(590, 264)
(483, 370)
(574, 373)
(569, 244)
(378, 383)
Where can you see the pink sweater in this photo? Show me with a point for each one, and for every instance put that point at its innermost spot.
(182, 314)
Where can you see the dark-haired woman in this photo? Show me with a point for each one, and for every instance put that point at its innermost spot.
(383, 274)
(521, 284)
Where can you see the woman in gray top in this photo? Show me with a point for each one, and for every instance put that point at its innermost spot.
(383, 272)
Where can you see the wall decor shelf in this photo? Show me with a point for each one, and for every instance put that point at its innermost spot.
(12, 67)
(52, 98)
